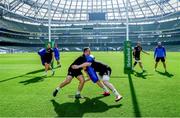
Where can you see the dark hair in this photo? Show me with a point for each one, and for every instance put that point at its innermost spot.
(85, 49)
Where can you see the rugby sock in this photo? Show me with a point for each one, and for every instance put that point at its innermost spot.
(78, 92)
(105, 89)
(58, 88)
(115, 92)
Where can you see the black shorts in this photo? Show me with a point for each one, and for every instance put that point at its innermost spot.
(74, 72)
(160, 58)
(137, 58)
(106, 71)
(48, 60)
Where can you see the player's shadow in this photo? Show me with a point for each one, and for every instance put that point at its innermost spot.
(32, 80)
(35, 79)
(165, 74)
(142, 75)
(29, 73)
(32, 72)
(78, 109)
(116, 76)
(137, 112)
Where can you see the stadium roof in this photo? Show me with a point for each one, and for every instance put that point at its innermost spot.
(81, 10)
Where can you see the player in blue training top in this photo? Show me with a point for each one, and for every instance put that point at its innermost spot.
(160, 54)
(57, 55)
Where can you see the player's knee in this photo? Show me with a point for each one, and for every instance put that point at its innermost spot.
(81, 81)
(68, 81)
(105, 82)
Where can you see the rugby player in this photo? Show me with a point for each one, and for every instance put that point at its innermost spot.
(104, 73)
(137, 56)
(78, 74)
(48, 59)
(160, 54)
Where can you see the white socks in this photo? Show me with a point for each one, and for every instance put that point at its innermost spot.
(78, 92)
(58, 88)
(115, 92)
(105, 89)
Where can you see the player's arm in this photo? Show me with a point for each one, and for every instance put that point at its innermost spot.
(145, 52)
(81, 66)
(155, 51)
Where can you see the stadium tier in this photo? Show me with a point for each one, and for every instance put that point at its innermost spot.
(95, 36)
(72, 25)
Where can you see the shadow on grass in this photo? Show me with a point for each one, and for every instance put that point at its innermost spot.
(142, 75)
(29, 73)
(78, 109)
(33, 72)
(167, 74)
(35, 79)
(32, 80)
(133, 97)
(116, 76)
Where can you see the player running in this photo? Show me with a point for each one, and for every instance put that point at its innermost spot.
(78, 74)
(104, 73)
(160, 54)
(47, 57)
(136, 55)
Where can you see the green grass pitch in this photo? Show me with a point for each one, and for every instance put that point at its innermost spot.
(25, 93)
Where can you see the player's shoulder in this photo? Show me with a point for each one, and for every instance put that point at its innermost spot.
(99, 62)
(81, 57)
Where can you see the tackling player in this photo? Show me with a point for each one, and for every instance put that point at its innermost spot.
(104, 73)
(78, 74)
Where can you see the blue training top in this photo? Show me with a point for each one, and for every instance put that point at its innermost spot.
(160, 52)
(91, 72)
(56, 53)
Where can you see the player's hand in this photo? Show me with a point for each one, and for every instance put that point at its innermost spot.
(75, 67)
